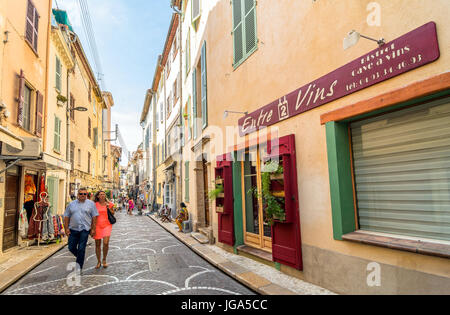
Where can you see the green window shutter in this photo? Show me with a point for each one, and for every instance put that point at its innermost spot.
(186, 182)
(194, 101)
(188, 53)
(204, 88)
(238, 35)
(57, 135)
(189, 119)
(244, 30)
(58, 74)
(95, 137)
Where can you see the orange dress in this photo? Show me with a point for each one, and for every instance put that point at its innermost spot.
(103, 227)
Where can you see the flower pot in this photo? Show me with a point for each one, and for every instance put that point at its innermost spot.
(277, 176)
(219, 181)
(280, 218)
(221, 195)
(279, 194)
(219, 209)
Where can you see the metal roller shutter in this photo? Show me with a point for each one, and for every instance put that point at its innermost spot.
(402, 171)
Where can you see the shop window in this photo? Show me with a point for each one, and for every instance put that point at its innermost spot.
(402, 171)
(390, 173)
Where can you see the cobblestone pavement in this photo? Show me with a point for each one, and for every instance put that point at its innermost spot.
(143, 259)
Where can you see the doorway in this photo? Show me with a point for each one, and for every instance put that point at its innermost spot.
(205, 189)
(257, 232)
(11, 218)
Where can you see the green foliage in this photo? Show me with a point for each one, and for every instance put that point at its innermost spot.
(213, 194)
(273, 206)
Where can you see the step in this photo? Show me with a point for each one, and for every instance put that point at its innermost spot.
(202, 239)
(208, 233)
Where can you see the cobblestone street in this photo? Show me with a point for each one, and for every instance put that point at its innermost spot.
(143, 259)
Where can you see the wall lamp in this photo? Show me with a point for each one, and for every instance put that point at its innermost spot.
(78, 109)
(353, 38)
(225, 113)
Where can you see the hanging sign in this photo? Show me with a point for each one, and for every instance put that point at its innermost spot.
(414, 49)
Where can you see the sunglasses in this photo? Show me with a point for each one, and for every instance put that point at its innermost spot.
(84, 194)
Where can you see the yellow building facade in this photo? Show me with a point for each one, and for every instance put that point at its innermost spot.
(277, 49)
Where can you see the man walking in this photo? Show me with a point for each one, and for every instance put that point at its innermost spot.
(80, 220)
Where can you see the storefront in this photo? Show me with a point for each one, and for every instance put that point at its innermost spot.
(348, 171)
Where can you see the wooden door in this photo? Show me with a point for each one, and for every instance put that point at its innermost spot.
(205, 183)
(11, 221)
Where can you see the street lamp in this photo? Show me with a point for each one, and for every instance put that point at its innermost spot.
(79, 109)
(353, 37)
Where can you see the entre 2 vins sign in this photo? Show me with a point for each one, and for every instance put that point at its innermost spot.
(414, 49)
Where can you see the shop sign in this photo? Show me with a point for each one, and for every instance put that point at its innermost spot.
(414, 49)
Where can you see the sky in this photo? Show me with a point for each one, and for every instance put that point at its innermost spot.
(130, 34)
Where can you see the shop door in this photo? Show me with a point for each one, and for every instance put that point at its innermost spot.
(205, 189)
(257, 232)
(11, 221)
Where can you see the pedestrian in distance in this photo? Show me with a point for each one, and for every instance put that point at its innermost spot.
(80, 220)
(130, 206)
(139, 205)
(104, 228)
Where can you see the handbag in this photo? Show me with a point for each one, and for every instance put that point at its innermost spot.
(111, 217)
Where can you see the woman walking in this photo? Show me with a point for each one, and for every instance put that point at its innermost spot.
(130, 206)
(104, 228)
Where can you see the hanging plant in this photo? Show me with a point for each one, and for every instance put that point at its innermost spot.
(61, 98)
(213, 194)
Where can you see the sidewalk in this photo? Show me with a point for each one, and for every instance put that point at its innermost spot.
(257, 276)
(17, 262)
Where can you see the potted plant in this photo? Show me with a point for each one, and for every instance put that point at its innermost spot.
(61, 100)
(216, 193)
(219, 180)
(219, 208)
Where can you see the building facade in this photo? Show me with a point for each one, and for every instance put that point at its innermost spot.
(330, 160)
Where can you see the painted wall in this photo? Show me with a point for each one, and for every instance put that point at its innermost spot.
(300, 41)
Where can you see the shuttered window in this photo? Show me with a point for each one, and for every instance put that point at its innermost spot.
(194, 101)
(196, 10)
(57, 135)
(58, 74)
(186, 182)
(402, 171)
(204, 88)
(95, 137)
(72, 106)
(27, 108)
(32, 26)
(39, 113)
(188, 52)
(244, 30)
(89, 127)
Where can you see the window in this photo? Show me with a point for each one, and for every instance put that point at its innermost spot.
(175, 94)
(89, 92)
(89, 163)
(72, 106)
(72, 154)
(196, 10)
(57, 135)
(186, 181)
(79, 157)
(94, 108)
(159, 190)
(95, 143)
(162, 112)
(244, 30)
(89, 127)
(58, 74)
(32, 26)
(188, 52)
(402, 171)
(27, 108)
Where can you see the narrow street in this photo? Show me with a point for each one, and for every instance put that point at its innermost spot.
(143, 259)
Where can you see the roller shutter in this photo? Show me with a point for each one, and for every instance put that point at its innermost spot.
(402, 171)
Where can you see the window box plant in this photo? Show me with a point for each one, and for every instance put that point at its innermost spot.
(61, 100)
(219, 209)
(216, 193)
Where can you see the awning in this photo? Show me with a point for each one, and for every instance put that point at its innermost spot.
(11, 139)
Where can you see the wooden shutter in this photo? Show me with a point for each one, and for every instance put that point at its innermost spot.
(238, 31)
(250, 26)
(58, 74)
(32, 25)
(204, 89)
(21, 99)
(72, 106)
(57, 135)
(186, 181)
(402, 171)
(286, 240)
(95, 137)
(224, 170)
(39, 113)
(194, 101)
(89, 127)
(195, 10)
(72, 154)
